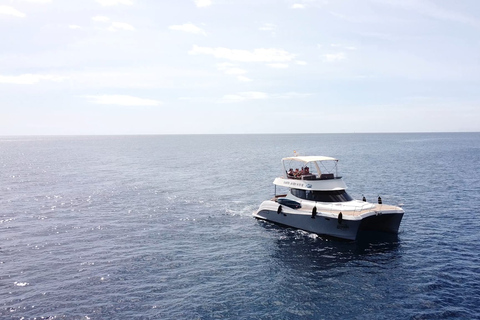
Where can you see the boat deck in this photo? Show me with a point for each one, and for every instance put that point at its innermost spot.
(336, 209)
(360, 211)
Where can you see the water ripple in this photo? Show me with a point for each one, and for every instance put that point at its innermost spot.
(117, 227)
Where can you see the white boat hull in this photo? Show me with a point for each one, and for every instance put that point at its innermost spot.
(348, 226)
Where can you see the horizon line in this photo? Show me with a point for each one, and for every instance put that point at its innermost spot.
(212, 134)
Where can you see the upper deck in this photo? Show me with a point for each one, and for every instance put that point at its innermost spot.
(310, 173)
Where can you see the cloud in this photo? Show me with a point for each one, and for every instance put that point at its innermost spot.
(120, 26)
(431, 9)
(114, 26)
(292, 95)
(122, 100)
(257, 55)
(338, 56)
(256, 95)
(107, 3)
(38, 1)
(232, 69)
(235, 71)
(203, 3)
(278, 65)
(30, 78)
(244, 79)
(11, 11)
(101, 19)
(74, 26)
(301, 63)
(242, 96)
(188, 27)
(298, 6)
(334, 57)
(336, 45)
(268, 27)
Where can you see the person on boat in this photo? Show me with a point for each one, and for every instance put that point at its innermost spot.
(290, 172)
(299, 173)
(306, 170)
(296, 172)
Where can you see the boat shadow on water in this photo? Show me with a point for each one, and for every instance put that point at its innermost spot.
(303, 249)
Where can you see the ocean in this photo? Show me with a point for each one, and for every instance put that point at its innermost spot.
(161, 227)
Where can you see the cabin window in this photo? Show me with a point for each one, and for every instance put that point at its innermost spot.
(322, 196)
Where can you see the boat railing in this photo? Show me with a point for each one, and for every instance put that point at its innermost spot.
(275, 198)
(323, 176)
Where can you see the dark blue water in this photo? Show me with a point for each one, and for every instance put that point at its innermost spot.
(160, 227)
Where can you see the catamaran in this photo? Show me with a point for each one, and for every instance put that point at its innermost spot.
(317, 202)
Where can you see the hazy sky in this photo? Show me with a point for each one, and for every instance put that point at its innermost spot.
(238, 66)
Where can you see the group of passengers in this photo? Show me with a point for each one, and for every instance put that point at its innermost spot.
(298, 173)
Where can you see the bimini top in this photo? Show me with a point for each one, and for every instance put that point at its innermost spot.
(311, 173)
(310, 158)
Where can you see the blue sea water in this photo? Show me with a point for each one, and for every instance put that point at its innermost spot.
(161, 227)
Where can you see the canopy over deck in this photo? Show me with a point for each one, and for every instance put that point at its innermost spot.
(306, 159)
(323, 168)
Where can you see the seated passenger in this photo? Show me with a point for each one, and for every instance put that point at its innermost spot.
(290, 172)
(296, 173)
(302, 172)
(306, 171)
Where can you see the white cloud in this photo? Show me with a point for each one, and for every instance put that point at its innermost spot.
(431, 9)
(11, 11)
(101, 19)
(107, 3)
(268, 27)
(74, 26)
(122, 100)
(38, 1)
(278, 65)
(336, 45)
(120, 26)
(232, 69)
(235, 71)
(298, 6)
(188, 27)
(225, 65)
(292, 95)
(114, 26)
(203, 3)
(242, 96)
(244, 79)
(333, 57)
(301, 63)
(30, 78)
(257, 55)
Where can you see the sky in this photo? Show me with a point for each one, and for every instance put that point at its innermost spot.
(75, 67)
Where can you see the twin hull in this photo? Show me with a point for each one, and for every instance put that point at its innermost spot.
(347, 227)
